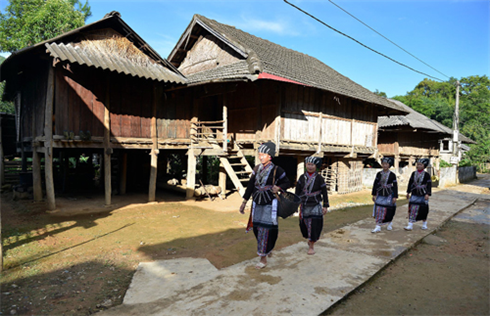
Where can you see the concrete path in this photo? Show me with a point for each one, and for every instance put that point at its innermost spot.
(293, 283)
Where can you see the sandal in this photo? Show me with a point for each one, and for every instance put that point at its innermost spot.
(260, 265)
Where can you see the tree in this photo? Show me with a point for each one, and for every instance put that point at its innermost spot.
(27, 22)
(6, 107)
(437, 101)
(380, 93)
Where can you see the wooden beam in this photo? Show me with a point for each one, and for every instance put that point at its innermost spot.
(154, 147)
(48, 144)
(107, 144)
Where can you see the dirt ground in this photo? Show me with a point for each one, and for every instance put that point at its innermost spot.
(81, 258)
(446, 276)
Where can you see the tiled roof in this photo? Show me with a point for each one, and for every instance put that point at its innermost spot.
(266, 57)
(416, 120)
(238, 70)
(102, 60)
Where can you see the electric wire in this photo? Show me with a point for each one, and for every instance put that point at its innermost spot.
(373, 50)
(387, 39)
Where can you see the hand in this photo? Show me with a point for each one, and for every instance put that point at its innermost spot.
(325, 210)
(275, 189)
(242, 207)
(426, 197)
(394, 201)
(374, 198)
(408, 196)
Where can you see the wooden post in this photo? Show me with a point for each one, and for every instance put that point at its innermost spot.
(222, 178)
(225, 124)
(48, 143)
(320, 118)
(191, 164)
(2, 165)
(107, 145)
(397, 158)
(300, 167)
(154, 148)
(36, 175)
(124, 172)
(1, 244)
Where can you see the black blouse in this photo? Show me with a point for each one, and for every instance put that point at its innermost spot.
(316, 195)
(385, 189)
(420, 188)
(260, 184)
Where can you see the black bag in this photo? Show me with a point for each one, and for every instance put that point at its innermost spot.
(287, 204)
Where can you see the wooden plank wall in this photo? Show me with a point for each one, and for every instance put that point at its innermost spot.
(79, 98)
(33, 98)
(301, 118)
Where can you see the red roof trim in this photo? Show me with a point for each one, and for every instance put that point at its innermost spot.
(264, 75)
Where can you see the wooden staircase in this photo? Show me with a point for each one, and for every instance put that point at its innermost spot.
(237, 168)
(232, 160)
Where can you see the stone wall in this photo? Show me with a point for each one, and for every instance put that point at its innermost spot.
(447, 177)
(466, 174)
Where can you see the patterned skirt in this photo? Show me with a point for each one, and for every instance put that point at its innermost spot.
(265, 227)
(418, 209)
(384, 210)
(311, 222)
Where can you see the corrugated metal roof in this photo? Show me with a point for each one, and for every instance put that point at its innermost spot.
(102, 60)
(416, 120)
(264, 56)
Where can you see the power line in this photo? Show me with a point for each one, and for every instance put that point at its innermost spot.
(387, 39)
(375, 51)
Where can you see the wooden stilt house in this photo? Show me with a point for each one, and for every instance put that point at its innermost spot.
(261, 91)
(409, 137)
(96, 92)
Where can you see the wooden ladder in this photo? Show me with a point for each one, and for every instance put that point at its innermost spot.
(233, 161)
(237, 168)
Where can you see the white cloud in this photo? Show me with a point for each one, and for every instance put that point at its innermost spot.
(251, 25)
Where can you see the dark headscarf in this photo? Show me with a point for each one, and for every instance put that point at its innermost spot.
(424, 161)
(315, 160)
(268, 148)
(389, 160)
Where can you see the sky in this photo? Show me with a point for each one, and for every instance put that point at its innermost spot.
(452, 36)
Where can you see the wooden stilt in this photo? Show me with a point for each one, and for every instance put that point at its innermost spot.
(48, 144)
(222, 178)
(191, 164)
(124, 170)
(36, 176)
(154, 149)
(300, 169)
(107, 146)
(2, 165)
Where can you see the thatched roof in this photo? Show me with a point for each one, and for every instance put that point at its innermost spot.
(128, 54)
(261, 57)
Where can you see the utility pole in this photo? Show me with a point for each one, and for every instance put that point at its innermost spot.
(456, 126)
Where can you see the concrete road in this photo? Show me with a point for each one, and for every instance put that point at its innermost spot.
(293, 283)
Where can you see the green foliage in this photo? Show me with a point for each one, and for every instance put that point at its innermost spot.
(437, 101)
(25, 23)
(444, 164)
(380, 93)
(5, 107)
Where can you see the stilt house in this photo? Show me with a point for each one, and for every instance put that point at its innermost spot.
(262, 91)
(102, 92)
(409, 137)
(96, 91)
